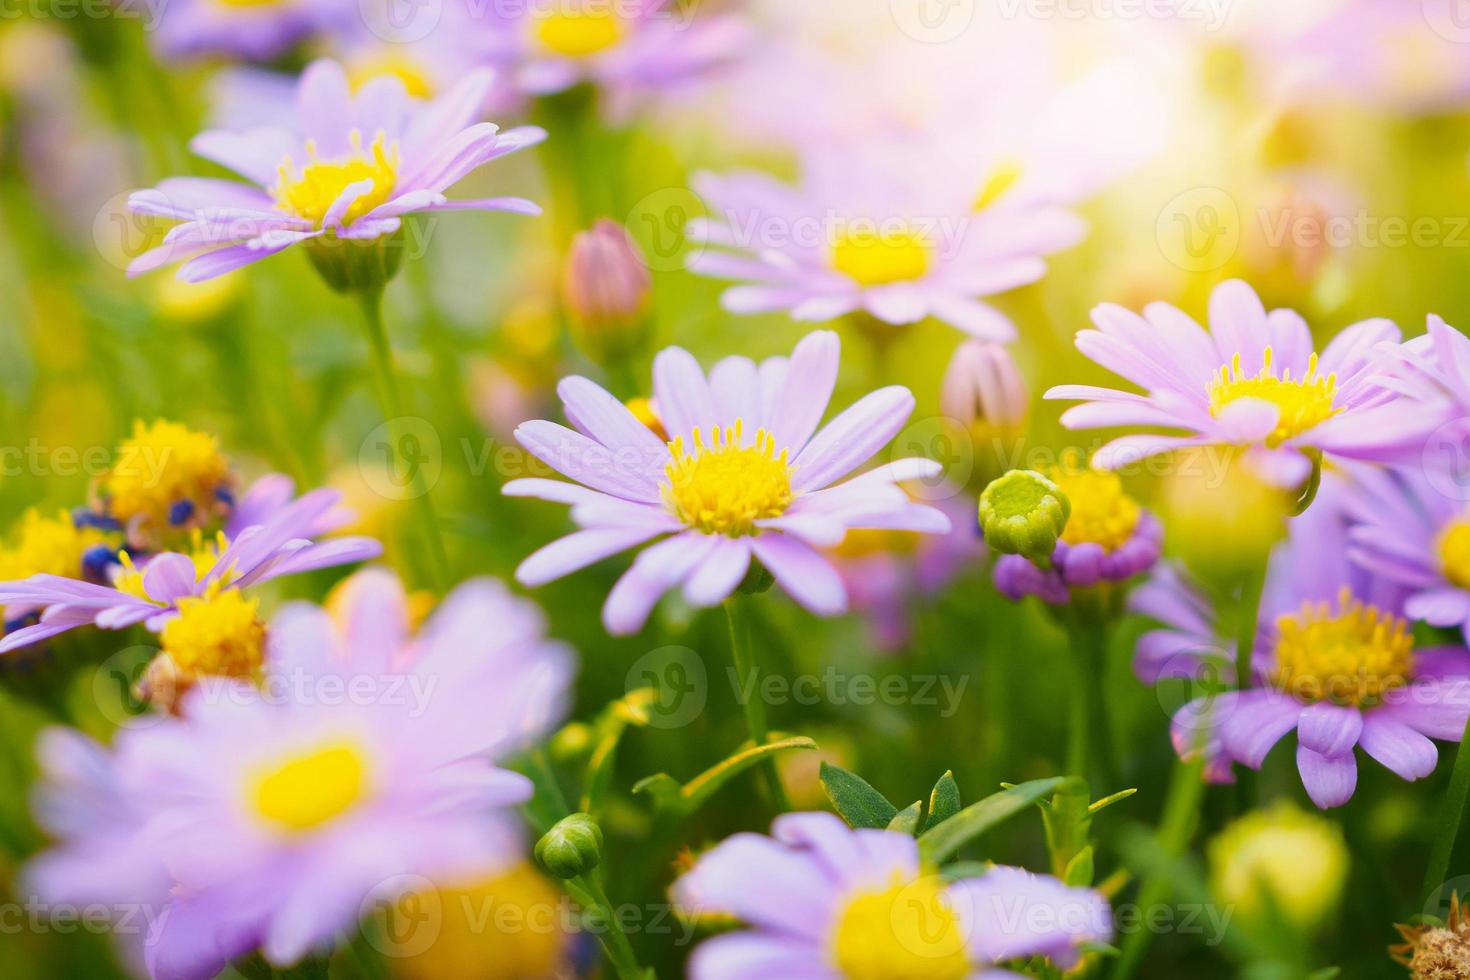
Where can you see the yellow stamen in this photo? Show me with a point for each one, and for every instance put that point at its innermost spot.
(1351, 655)
(1002, 179)
(308, 790)
(580, 33)
(311, 193)
(907, 932)
(879, 257)
(1304, 402)
(48, 546)
(1102, 513)
(1454, 553)
(161, 466)
(250, 4)
(218, 633)
(724, 486)
(204, 554)
(416, 81)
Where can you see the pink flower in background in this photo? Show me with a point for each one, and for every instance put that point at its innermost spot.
(348, 166)
(746, 475)
(629, 49)
(853, 238)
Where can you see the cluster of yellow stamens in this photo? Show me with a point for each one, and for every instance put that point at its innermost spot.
(724, 485)
(307, 790)
(908, 931)
(580, 33)
(48, 546)
(877, 257)
(1350, 655)
(1304, 402)
(204, 553)
(1102, 512)
(311, 192)
(162, 466)
(218, 633)
(1454, 553)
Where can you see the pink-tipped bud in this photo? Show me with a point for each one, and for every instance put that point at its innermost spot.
(606, 287)
(984, 391)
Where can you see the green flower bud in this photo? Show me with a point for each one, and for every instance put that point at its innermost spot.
(572, 848)
(1024, 513)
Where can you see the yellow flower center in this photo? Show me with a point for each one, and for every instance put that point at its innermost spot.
(303, 792)
(311, 192)
(204, 554)
(250, 4)
(1454, 553)
(1350, 656)
(1304, 402)
(218, 633)
(1102, 513)
(908, 932)
(162, 466)
(580, 33)
(725, 486)
(48, 546)
(1001, 179)
(411, 73)
(646, 412)
(876, 257)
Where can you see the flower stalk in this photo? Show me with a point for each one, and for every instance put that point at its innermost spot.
(738, 613)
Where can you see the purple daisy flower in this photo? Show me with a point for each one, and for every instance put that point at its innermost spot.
(1335, 662)
(629, 49)
(257, 31)
(1252, 381)
(849, 240)
(1108, 540)
(740, 472)
(859, 903)
(1408, 532)
(346, 168)
(481, 664)
(273, 823)
(152, 593)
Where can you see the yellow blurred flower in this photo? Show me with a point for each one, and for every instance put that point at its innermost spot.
(1299, 859)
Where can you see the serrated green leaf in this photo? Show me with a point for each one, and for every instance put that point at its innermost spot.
(936, 845)
(1079, 870)
(944, 801)
(906, 821)
(854, 800)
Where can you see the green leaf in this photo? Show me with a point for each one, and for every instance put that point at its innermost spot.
(680, 801)
(944, 801)
(906, 821)
(1108, 801)
(1079, 870)
(936, 845)
(854, 800)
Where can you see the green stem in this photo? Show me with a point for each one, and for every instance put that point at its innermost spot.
(390, 399)
(1091, 754)
(609, 932)
(737, 611)
(1450, 819)
(1248, 617)
(1180, 808)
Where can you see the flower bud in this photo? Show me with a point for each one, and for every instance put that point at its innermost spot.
(605, 286)
(983, 389)
(572, 848)
(1024, 513)
(1299, 858)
